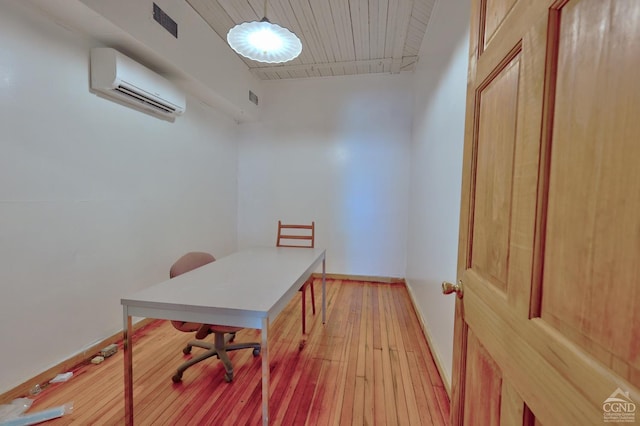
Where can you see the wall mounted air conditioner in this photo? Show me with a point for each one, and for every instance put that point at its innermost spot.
(117, 76)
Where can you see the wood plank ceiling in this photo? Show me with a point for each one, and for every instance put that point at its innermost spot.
(339, 37)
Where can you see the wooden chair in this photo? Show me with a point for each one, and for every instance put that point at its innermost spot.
(223, 335)
(299, 236)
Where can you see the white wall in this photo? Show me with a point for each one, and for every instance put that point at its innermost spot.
(96, 199)
(334, 150)
(436, 171)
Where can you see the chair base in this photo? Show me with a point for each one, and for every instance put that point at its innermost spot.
(219, 348)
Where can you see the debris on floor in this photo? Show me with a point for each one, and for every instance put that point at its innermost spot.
(16, 418)
(62, 377)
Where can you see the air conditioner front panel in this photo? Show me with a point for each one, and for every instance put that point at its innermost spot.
(118, 76)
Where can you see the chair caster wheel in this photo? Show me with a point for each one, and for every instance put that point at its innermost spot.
(177, 378)
(256, 351)
(187, 350)
(228, 377)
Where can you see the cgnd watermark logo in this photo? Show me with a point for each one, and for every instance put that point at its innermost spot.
(619, 408)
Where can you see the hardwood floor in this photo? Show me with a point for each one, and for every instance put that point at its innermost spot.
(369, 364)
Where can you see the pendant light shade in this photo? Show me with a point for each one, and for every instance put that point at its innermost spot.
(263, 41)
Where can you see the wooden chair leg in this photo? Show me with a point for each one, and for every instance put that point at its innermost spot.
(313, 298)
(304, 310)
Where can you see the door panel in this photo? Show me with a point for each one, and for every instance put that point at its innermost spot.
(495, 11)
(494, 174)
(549, 325)
(484, 385)
(593, 224)
(512, 407)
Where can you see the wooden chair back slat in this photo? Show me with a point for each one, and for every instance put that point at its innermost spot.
(306, 237)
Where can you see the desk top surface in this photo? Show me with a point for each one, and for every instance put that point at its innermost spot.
(253, 281)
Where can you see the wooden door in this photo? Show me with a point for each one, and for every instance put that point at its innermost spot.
(548, 330)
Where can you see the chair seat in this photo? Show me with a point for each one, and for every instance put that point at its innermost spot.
(224, 329)
(193, 326)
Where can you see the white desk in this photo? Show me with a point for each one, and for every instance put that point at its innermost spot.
(246, 289)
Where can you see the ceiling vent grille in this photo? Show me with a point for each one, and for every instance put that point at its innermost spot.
(165, 20)
(253, 97)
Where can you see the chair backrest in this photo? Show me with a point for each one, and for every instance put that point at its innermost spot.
(190, 261)
(186, 263)
(296, 235)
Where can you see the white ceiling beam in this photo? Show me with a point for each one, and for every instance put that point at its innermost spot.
(378, 12)
(213, 14)
(284, 16)
(311, 34)
(329, 65)
(403, 18)
(321, 10)
(342, 20)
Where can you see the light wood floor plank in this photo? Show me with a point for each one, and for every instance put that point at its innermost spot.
(387, 341)
(370, 364)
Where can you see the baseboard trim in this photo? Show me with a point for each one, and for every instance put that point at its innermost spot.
(427, 333)
(368, 278)
(66, 365)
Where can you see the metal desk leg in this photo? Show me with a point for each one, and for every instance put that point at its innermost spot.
(324, 291)
(265, 372)
(128, 369)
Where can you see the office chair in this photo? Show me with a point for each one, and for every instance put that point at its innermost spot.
(223, 335)
(299, 236)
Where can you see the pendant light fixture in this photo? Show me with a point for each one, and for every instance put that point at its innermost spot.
(263, 41)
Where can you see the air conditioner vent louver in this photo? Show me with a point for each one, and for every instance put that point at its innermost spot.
(143, 99)
(120, 77)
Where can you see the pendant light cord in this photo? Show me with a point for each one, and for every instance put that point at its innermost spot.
(265, 9)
